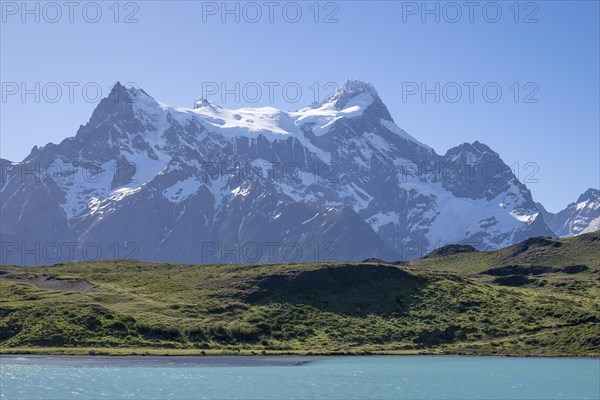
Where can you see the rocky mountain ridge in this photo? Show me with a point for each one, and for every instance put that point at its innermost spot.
(336, 180)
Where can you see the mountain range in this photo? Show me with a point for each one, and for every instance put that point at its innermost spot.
(582, 216)
(336, 180)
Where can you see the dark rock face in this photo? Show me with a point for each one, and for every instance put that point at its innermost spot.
(451, 249)
(332, 182)
(523, 270)
(574, 269)
(518, 275)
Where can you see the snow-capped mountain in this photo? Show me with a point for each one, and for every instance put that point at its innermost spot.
(583, 216)
(335, 180)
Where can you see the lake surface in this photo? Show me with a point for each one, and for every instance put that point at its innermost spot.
(371, 377)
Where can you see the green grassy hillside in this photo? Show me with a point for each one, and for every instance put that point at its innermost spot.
(540, 297)
(577, 250)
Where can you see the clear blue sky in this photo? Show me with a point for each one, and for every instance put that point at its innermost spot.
(174, 48)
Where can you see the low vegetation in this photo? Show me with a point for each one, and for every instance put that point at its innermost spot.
(540, 297)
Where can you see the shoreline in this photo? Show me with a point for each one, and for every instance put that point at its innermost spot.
(143, 352)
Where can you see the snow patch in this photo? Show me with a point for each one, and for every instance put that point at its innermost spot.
(182, 189)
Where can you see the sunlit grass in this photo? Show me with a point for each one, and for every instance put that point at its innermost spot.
(432, 306)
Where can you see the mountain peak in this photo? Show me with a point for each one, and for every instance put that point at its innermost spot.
(348, 90)
(590, 194)
(120, 93)
(357, 85)
(471, 153)
(204, 103)
(483, 148)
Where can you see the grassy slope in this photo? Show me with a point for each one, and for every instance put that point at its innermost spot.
(434, 305)
(584, 249)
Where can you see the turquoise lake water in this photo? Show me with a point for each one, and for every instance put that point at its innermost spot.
(372, 377)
